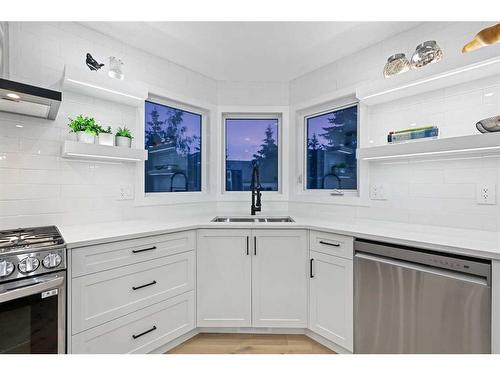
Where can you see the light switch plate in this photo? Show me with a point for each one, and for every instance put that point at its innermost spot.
(378, 192)
(486, 194)
(125, 192)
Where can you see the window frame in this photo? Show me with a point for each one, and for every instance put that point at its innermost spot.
(253, 116)
(333, 108)
(159, 198)
(201, 145)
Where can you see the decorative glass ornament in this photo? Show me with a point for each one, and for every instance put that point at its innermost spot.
(115, 68)
(426, 53)
(396, 64)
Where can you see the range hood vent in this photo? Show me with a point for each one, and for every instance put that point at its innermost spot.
(16, 97)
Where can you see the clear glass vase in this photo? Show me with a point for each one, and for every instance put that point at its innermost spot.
(115, 68)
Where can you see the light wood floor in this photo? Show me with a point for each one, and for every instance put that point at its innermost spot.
(236, 343)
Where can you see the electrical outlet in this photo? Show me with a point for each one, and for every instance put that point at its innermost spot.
(486, 194)
(125, 192)
(377, 192)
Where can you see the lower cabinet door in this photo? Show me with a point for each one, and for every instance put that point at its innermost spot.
(142, 331)
(279, 278)
(331, 298)
(224, 278)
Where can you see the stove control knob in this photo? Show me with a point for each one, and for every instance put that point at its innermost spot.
(28, 264)
(6, 268)
(52, 260)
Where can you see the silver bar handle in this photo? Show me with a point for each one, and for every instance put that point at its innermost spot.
(38, 286)
(423, 268)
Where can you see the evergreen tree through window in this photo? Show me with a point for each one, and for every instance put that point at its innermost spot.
(173, 141)
(332, 140)
(247, 141)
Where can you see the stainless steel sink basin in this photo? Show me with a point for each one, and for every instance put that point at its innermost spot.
(227, 219)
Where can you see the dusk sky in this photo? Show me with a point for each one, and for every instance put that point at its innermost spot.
(244, 136)
(316, 124)
(191, 120)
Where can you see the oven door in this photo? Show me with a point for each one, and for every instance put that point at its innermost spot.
(32, 315)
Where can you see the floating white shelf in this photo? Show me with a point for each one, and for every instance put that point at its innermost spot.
(85, 151)
(99, 85)
(478, 144)
(400, 86)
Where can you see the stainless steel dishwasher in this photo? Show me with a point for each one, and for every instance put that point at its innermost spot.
(409, 300)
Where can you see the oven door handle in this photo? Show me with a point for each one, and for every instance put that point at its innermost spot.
(40, 284)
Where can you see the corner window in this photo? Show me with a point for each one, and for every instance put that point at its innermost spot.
(251, 140)
(173, 141)
(332, 139)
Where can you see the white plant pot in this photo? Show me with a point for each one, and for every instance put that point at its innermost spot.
(123, 141)
(106, 139)
(85, 137)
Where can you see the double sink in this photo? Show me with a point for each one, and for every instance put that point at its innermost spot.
(227, 219)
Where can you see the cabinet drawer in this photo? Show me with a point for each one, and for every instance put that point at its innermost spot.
(103, 257)
(333, 244)
(104, 296)
(142, 331)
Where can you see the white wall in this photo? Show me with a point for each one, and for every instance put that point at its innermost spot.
(37, 186)
(427, 192)
(252, 93)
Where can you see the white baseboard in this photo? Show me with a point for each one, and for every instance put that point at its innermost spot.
(255, 330)
(172, 344)
(275, 331)
(325, 342)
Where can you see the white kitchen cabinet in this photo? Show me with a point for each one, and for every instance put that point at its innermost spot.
(331, 244)
(331, 298)
(224, 277)
(104, 296)
(279, 278)
(252, 278)
(102, 257)
(141, 331)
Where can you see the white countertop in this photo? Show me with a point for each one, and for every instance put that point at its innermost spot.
(459, 241)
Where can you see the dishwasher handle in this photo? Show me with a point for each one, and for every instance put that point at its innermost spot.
(424, 268)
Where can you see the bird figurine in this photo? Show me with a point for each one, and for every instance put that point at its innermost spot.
(485, 37)
(92, 63)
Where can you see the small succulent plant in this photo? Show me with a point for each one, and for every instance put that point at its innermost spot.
(124, 132)
(105, 130)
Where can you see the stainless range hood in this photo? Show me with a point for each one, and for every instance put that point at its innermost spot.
(20, 98)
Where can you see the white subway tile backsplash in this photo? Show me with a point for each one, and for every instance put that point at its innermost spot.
(40, 147)
(28, 191)
(443, 191)
(434, 176)
(471, 175)
(39, 176)
(9, 176)
(9, 144)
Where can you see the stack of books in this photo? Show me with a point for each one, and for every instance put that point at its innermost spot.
(412, 134)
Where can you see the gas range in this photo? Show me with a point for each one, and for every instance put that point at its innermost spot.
(28, 252)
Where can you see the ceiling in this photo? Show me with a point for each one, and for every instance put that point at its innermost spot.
(251, 51)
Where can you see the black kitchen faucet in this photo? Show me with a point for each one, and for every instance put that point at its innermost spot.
(256, 188)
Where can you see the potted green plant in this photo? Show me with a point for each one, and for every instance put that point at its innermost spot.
(124, 137)
(106, 136)
(86, 128)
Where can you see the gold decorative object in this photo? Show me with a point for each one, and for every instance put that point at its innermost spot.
(485, 37)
